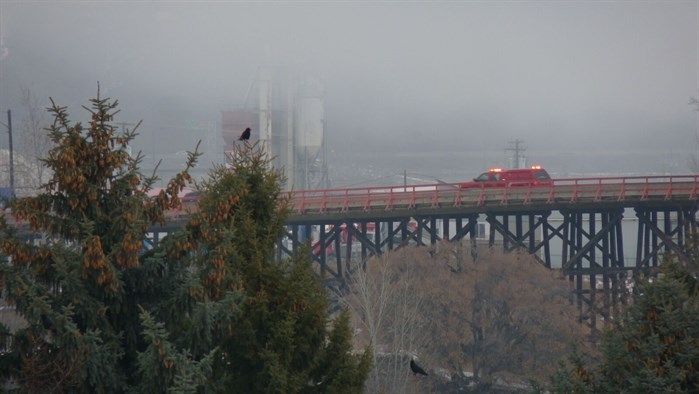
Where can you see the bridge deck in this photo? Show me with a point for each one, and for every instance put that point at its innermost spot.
(589, 235)
(448, 198)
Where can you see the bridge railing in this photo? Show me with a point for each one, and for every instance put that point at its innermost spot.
(569, 190)
(636, 187)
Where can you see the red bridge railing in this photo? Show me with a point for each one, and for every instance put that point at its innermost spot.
(559, 191)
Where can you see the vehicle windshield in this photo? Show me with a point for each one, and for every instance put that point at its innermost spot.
(542, 174)
(488, 176)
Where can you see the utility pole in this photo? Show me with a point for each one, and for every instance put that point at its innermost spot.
(12, 158)
(517, 152)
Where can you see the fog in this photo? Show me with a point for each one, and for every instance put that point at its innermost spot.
(437, 88)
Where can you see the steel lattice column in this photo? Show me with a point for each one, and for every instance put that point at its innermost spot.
(678, 226)
(593, 255)
(522, 238)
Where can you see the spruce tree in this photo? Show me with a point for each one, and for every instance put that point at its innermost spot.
(78, 279)
(267, 320)
(206, 310)
(652, 347)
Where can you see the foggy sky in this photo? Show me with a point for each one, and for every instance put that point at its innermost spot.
(568, 77)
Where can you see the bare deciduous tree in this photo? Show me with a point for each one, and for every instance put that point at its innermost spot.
(519, 315)
(388, 310)
(504, 316)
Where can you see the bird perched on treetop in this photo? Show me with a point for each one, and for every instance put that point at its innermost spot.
(245, 136)
(416, 368)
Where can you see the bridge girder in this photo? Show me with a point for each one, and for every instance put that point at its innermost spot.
(591, 242)
(590, 236)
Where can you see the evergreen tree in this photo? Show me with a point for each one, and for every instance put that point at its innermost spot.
(205, 310)
(653, 347)
(77, 286)
(268, 321)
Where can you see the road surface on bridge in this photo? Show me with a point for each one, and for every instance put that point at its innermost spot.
(446, 197)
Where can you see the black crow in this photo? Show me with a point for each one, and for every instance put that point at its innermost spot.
(416, 368)
(47, 323)
(245, 136)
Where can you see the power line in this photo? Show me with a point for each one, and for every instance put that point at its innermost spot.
(517, 151)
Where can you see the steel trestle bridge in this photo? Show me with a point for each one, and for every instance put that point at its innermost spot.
(578, 219)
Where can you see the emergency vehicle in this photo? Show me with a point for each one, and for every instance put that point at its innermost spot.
(518, 177)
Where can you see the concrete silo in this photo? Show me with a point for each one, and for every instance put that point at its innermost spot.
(289, 122)
(309, 133)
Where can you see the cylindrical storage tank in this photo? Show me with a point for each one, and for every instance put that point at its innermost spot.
(310, 117)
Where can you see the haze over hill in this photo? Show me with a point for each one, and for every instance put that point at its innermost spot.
(591, 87)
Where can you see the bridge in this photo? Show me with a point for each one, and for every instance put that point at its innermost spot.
(575, 225)
(579, 220)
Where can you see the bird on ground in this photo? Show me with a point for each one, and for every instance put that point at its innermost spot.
(245, 136)
(416, 368)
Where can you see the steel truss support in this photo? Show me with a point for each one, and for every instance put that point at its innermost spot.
(663, 231)
(590, 241)
(521, 236)
(336, 244)
(593, 259)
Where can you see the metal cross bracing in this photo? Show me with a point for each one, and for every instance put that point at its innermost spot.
(580, 220)
(346, 241)
(593, 258)
(590, 244)
(573, 224)
(346, 226)
(664, 230)
(588, 240)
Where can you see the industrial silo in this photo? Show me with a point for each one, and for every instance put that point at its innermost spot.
(309, 125)
(289, 124)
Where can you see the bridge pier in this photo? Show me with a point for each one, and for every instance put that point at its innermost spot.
(593, 259)
(579, 220)
(521, 237)
(357, 240)
(591, 243)
(665, 230)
